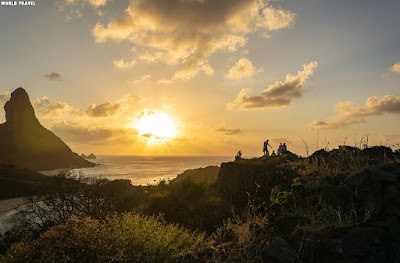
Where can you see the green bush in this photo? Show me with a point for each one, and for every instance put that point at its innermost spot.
(120, 238)
(193, 205)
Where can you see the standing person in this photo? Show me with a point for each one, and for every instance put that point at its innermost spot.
(284, 148)
(266, 144)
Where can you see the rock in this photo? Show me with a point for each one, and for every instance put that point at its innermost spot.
(367, 187)
(362, 241)
(208, 174)
(393, 168)
(254, 178)
(337, 195)
(279, 251)
(91, 156)
(391, 224)
(25, 143)
(358, 178)
(384, 176)
(287, 225)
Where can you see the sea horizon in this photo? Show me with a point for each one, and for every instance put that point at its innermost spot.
(144, 169)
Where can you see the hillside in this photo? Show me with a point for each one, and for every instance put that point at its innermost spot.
(336, 206)
(20, 182)
(208, 174)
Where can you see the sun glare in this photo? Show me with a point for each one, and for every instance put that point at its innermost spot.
(156, 125)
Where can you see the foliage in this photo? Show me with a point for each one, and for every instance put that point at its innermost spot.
(20, 182)
(70, 194)
(193, 205)
(119, 238)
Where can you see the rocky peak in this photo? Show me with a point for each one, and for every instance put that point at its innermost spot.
(19, 109)
(25, 143)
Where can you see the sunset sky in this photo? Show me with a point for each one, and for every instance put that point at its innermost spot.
(206, 77)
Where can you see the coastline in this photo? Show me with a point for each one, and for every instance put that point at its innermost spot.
(12, 203)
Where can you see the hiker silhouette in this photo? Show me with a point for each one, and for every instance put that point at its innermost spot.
(265, 149)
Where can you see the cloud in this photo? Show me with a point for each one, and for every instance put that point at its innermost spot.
(72, 8)
(78, 132)
(275, 19)
(48, 108)
(142, 78)
(147, 135)
(4, 97)
(243, 69)
(276, 95)
(395, 68)
(41, 102)
(349, 114)
(227, 131)
(94, 3)
(53, 76)
(103, 110)
(187, 32)
(97, 3)
(122, 64)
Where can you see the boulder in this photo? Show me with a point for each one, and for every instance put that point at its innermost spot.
(279, 251)
(337, 196)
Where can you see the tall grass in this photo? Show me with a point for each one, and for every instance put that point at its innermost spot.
(119, 238)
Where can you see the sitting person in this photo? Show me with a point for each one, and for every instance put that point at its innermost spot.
(279, 151)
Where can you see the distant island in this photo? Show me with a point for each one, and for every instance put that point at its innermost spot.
(25, 143)
(90, 156)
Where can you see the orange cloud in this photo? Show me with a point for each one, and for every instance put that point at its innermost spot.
(243, 69)
(188, 32)
(349, 114)
(276, 95)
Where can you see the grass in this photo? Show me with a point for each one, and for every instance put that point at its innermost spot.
(120, 238)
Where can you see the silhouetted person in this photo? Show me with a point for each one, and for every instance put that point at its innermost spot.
(265, 150)
(238, 155)
(279, 151)
(273, 153)
(284, 148)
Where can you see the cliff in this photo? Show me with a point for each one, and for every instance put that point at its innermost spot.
(208, 174)
(25, 143)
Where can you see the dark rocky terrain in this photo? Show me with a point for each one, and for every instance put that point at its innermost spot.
(25, 143)
(207, 174)
(337, 206)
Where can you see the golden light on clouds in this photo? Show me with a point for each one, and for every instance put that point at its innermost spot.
(395, 68)
(156, 126)
(187, 33)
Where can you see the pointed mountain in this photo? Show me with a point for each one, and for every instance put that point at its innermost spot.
(25, 143)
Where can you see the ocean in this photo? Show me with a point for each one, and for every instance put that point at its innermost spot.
(143, 170)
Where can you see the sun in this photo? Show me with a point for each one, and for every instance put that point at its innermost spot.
(156, 125)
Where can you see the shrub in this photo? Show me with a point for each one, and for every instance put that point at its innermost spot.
(119, 238)
(193, 205)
